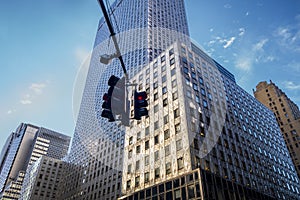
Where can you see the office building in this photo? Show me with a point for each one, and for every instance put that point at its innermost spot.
(43, 179)
(145, 28)
(204, 135)
(287, 115)
(23, 147)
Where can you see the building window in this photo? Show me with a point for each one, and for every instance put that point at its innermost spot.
(146, 160)
(156, 155)
(164, 79)
(168, 168)
(176, 113)
(137, 181)
(173, 71)
(180, 163)
(147, 131)
(166, 119)
(137, 165)
(165, 102)
(128, 184)
(130, 153)
(175, 96)
(177, 128)
(138, 149)
(130, 140)
(129, 169)
(205, 105)
(156, 139)
(155, 96)
(147, 145)
(167, 150)
(138, 136)
(164, 90)
(167, 134)
(146, 177)
(172, 61)
(174, 83)
(156, 125)
(178, 145)
(156, 173)
(171, 52)
(155, 108)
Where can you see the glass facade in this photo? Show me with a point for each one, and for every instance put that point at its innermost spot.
(96, 156)
(24, 146)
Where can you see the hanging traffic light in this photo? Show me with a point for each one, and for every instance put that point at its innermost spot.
(107, 98)
(115, 101)
(120, 103)
(140, 104)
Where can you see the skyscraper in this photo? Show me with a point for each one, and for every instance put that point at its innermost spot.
(205, 137)
(145, 28)
(23, 147)
(43, 178)
(287, 115)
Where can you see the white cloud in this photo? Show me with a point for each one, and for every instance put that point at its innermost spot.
(229, 42)
(33, 91)
(269, 59)
(11, 111)
(244, 63)
(259, 46)
(291, 85)
(289, 36)
(25, 101)
(242, 31)
(37, 87)
(247, 13)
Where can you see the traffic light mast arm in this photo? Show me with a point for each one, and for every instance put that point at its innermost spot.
(113, 35)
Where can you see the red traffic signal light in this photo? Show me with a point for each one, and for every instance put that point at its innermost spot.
(140, 104)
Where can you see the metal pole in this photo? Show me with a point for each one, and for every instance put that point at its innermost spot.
(113, 35)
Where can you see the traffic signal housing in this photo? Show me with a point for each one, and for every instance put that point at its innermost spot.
(107, 98)
(140, 104)
(115, 101)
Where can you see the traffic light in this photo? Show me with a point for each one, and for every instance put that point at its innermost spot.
(115, 101)
(140, 104)
(120, 103)
(107, 98)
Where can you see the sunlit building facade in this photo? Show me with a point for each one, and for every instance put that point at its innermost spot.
(23, 147)
(287, 115)
(205, 137)
(144, 29)
(43, 179)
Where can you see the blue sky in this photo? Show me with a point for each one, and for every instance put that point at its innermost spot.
(43, 44)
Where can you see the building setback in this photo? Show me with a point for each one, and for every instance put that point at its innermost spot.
(287, 115)
(23, 147)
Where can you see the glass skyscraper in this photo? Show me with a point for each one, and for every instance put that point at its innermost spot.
(145, 28)
(23, 147)
(205, 137)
